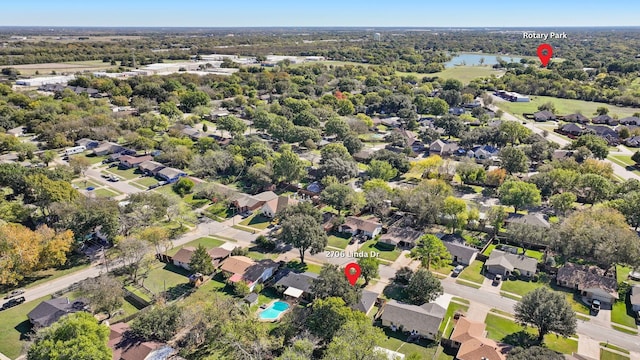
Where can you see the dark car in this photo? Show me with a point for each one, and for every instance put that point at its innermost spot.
(14, 293)
(13, 302)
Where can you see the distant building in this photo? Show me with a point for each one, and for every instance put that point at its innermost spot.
(511, 96)
(377, 37)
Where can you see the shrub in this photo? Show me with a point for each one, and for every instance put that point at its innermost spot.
(516, 273)
(238, 251)
(265, 243)
(535, 278)
(241, 288)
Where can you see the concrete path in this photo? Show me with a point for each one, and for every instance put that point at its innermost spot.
(478, 312)
(588, 347)
(487, 285)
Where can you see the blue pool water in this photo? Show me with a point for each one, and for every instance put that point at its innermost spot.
(274, 311)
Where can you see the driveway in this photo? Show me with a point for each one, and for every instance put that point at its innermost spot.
(120, 186)
(588, 347)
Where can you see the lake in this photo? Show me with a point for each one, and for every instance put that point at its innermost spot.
(474, 59)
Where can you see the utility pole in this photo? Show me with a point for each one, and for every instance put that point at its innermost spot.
(104, 256)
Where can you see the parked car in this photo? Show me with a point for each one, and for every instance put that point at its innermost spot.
(162, 183)
(14, 293)
(497, 279)
(153, 186)
(13, 302)
(457, 270)
(595, 306)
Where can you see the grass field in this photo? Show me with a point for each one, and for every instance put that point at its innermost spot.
(307, 266)
(472, 273)
(257, 221)
(165, 277)
(446, 327)
(127, 174)
(385, 252)
(146, 181)
(208, 242)
(506, 330)
(620, 315)
(608, 355)
(521, 287)
(337, 242)
(74, 66)
(563, 107)
(462, 73)
(14, 324)
(103, 193)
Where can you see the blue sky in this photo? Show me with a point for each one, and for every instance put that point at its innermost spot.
(372, 13)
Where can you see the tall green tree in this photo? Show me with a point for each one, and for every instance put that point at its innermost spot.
(304, 233)
(431, 251)
(514, 159)
(534, 353)
(160, 323)
(548, 311)
(423, 287)
(341, 197)
(368, 268)
(380, 169)
(288, 166)
(456, 209)
(342, 346)
(562, 203)
(76, 336)
(332, 282)
(597, 145)
(518, 194)
(329, 315)
(104, 293)
(201, 261)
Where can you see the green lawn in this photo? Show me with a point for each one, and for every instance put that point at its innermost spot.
(489, 249)
(624, 159)
(613, 347)
(337, 242)
(396, 341)
(384, 251)
(563, 107)
(521, 287)
(573, 299)
(462, 73)
(257, 221)
(622, 314)
(532, 253)
(92, 159)
(446, 327)
(608, 355)
(83, 183)
(127, 174)
(472, 273)
(165, 277)
(307, 266)
(208, 242)
(14, 324)
(146, 181)
(103, 193)
(622, 274)
(256, 255)
(506, 330)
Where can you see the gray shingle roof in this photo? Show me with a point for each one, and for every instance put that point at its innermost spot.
(586, 277)
(367, 299)
(425, 319)
(458, 248)
(512, 261)
(300, 281)
(49, 311)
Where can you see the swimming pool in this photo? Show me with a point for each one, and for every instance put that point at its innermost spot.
(274, 311)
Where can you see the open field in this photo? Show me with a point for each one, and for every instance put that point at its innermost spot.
(462, 73)
(14, 324)
(67, 67)
(563, 107)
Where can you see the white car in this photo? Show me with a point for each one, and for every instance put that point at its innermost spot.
(457, 270)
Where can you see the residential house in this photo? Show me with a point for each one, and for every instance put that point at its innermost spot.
(423, 321)
(473, 104)
(170, 174)
(126, 347)
(633, 141)
(457, 111)
(604, 132)
(130, 162)
(367, 300)
(483, 152)
(576, 118)
(245, 202)
(634, 297)
(87, 143)
(365, 154)
(218, 255)
(631, 120)
(404, 237)
(443, 148)
(359, 226)
(150, 167)
(275, 206)
(296, 285)
(504, 263)
(50, 311)
(183, 257)
(468, 337)
(106, 148)
(391, 122)
(605, 120)
(17, 131)
(534, 219)
(544, 115)
(571, 129)
(561, 154)
(194, 134)
(242, 268)
(592, 282)
(461, 252)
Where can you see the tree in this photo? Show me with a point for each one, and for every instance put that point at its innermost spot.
(160, 323)
(513, 132)
(534, 353)
(342, 346)
(132, 251)
(104, 293)
(496, 217)
(158, 236)
(452, 125)
(636, 157)
(341, 197)
(183, 186)
(423, 287)
(231, 124)
(170, 109)
(368, 268)
(548, 311)
(287, 166)
(191, 99)
(331, 282)
(303, 232)
(630, 208)
(336, 126)
(519, 194)
(496, 177)
(470, 172)
(300, 350)
(329, 315)
(597, 145)
(342, 169)
(456, 209)
(379, 169)
(562, 203)
(431, 250)
(47, 156)
(601, 110)
(201, 261)
(436, 106)
(514, 160)
(594, 188)
(76, 336)
(352, 143)
(43, 191)
(345, 107)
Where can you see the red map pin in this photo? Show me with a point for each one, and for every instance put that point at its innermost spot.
(545, 52)
(352, 271)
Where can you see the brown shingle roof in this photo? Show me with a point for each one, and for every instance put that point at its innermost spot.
(184, 255)
(473, 344)
(237, 264)
(587, 277)
(357, 223)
